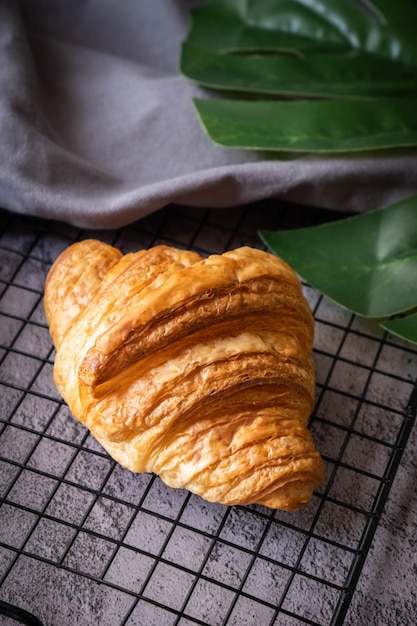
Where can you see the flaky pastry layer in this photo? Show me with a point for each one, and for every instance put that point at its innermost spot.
(196, 369)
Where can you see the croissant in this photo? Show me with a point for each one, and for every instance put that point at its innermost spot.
(196, 369)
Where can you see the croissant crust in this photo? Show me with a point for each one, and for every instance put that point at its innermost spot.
(196, 369)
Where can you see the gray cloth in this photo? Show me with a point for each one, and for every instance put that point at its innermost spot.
(97, 126)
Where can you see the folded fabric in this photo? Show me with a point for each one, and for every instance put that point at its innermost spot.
(98, 129)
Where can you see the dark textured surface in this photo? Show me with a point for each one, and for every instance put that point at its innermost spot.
(83, 541)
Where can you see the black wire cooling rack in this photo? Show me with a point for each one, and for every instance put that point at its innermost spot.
(83, 541)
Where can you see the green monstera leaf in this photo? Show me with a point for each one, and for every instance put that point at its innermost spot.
(404, 327)
(356, 50)
(366, 263)
(316, 126)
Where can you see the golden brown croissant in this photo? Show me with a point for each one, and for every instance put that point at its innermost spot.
(196, 369)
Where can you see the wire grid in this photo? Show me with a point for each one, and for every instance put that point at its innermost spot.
(83, 541)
